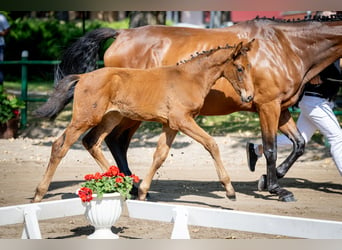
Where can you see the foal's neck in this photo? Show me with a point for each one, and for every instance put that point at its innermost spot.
(208, 67)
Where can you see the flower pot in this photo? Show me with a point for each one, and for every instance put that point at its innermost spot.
(9, 129)
(102, 213)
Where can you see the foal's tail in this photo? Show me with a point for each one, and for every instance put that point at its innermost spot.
(59, 98)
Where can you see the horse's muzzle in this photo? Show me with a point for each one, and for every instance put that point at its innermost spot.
(247, 98)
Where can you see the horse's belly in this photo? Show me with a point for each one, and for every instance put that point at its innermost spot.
(143, 114)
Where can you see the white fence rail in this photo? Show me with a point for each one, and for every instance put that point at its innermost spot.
(235, 220)
(30, 214)
(181, 216)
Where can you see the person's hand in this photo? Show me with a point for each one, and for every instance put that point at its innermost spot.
(316, 80)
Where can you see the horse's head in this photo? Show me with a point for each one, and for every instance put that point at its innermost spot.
(238, 71)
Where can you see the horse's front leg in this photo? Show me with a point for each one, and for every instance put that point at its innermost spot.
(191, 128)
(269, 116)
(289, 128)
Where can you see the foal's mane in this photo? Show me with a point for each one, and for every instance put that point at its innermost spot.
(309, 18)
(205, 52)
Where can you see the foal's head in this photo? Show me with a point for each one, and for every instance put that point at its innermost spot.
(238, 72)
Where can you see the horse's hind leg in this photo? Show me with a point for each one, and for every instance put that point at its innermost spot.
(162, 150)
(93, 140)
(59, 149)
(190, 128)
(118, 142)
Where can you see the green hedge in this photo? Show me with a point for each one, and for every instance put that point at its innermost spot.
(45, 39)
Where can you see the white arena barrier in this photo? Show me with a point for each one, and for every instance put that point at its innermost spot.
(183, 216)
(29, 214)
(180, 215)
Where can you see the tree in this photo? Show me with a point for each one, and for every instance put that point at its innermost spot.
(142, 18)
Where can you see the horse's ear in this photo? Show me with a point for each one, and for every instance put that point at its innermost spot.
(249, 44)
(237, 51)
(247, 47)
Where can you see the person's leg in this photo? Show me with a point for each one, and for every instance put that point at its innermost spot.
(304, 124)
(325, 120)
(306, 127)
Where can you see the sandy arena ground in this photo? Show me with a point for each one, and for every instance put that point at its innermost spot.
(187, 177)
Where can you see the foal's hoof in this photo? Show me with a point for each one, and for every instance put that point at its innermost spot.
(230, 192)
(37, 198)
(231, 197)
(262, 183)
(135, 194)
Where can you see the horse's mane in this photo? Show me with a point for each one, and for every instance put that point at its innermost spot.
(309, 18)
(205, 52)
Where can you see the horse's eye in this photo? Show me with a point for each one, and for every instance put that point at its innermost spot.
(240, 69)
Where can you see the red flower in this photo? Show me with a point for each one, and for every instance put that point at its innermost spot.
(119, 180)
(112, 171)
(88, 177)
(85, 194)
(97, 176)
(16, 112)
(135, 178)
(110, 181)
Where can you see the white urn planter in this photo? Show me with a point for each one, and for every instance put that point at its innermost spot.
(102, 213)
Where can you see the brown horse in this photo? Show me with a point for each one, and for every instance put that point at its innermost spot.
(288, 55)
(171, 95)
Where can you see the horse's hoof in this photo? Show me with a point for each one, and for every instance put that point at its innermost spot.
(37, 198)
(283, 194)
(231, 197)
(141, 198)
(287, 198)
(134, 193)
(262, 183)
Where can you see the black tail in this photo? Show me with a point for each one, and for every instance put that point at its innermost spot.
(59, 98)
(82, 55)
(79, 58)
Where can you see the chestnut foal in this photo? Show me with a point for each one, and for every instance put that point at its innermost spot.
(171, 95)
